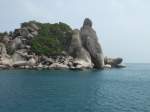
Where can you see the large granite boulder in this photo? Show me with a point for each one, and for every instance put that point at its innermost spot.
(58, 66)
(21, 32)
(91, 44)
(82, 57)
(3, 51)
(32, 62)
(6, 39)
(17, 56)
(15, 44)
(5, 59)
(6, 62)
(114, 62)
(31, 26)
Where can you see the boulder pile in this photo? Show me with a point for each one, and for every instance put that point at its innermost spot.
(84, 50)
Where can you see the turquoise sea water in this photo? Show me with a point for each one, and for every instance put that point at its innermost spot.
(116, 90)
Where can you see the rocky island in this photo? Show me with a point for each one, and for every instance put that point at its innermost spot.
(38, 45)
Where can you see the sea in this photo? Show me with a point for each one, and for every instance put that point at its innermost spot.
(108, 90)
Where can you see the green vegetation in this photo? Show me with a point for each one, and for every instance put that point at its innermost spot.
(46, 46)
(52, 38)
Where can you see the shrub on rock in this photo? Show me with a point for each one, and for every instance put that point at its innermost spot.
(52, 38)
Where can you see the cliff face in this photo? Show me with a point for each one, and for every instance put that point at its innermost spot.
(53, 46)
(80, 54)
(91, 44)
(85, 45)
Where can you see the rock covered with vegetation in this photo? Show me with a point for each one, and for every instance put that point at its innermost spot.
(53, 46)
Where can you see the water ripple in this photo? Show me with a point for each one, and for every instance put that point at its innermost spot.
(123, 90)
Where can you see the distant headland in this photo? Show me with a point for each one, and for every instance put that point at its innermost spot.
(38, 45)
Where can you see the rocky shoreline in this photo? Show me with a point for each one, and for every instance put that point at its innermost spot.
(83, 51)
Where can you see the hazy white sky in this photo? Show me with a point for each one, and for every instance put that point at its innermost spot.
(123, 26)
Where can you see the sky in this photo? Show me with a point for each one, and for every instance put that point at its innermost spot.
(122, 26)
